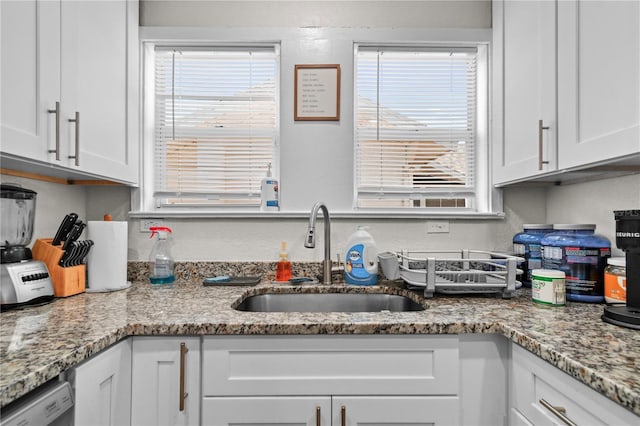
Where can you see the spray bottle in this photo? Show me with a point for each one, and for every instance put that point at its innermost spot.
(269, 192)
(161, 261)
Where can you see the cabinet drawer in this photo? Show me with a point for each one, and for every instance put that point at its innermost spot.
(533, 380)
(312, 365)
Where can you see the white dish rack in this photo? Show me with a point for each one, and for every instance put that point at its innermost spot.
(454, 271)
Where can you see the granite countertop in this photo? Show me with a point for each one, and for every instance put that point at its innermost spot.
(38, 343)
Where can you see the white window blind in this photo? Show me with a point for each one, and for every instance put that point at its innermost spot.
(216, 119)
(415, 127)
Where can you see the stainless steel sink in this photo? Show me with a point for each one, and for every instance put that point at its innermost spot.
(328, 302)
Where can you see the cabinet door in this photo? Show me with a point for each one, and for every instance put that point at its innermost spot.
(598, 80)
(99, 40)
(292, 411)
(158, 378)
(103, 388)
(30, 77)
(401, 410)
(524, 89)
(534, 380)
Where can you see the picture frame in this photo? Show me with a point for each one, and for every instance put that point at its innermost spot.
(317, 92)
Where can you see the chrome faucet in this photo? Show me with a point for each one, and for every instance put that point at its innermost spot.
(310, 240)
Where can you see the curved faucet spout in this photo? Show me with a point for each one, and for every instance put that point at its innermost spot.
(310, 240)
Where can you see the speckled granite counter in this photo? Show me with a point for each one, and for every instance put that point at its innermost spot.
(38, 343)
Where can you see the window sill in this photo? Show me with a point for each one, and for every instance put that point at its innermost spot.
(305, 214)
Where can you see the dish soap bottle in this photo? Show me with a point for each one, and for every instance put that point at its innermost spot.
(361, 260)
(283, 267)
(269, 192)
(161, 261)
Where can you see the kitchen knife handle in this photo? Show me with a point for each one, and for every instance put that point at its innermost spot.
(77, 138)
(183, 355)
(541, 127)
(64, 228)
(56, 111)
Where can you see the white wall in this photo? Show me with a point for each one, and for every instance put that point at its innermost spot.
(53, 202)
(594, 202)
(310, 13)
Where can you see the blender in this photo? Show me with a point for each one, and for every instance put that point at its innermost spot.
(628, 240)
(23, 281)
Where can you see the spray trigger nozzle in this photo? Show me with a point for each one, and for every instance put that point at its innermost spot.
(162, 231)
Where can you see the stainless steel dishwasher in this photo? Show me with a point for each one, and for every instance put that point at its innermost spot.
(49, 404)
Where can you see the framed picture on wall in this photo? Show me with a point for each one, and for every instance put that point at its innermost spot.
(317, 93)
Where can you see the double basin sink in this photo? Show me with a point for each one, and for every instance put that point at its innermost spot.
(322, 301)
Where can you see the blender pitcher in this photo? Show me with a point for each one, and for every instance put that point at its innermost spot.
(18, 209)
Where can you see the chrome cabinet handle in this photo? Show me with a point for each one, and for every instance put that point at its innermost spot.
(77, 141)
(318, 416)
(56, 111)
(343, 416)
(541, 127)
(559, 412)
(183, 355)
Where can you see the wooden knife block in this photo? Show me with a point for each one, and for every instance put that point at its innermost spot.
(66, 281)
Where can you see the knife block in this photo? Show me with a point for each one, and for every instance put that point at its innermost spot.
(66, 281)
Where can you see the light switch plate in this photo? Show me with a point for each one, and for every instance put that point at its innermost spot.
(145, 224)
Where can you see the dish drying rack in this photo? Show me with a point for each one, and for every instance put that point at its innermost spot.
(458, 272)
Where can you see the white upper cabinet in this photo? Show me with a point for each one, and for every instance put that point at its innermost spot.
(82, 57)
(598, 81)
(525, 122)
(594, 82)
(30, 77)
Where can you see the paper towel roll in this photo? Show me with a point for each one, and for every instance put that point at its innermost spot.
(107, 260)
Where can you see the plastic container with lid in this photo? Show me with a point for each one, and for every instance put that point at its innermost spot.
(582, 255)
(361, 260)
(548, 287)
(615, 280)
(527, 244)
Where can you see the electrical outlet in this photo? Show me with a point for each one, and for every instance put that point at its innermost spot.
(437, 227)
(145, 224)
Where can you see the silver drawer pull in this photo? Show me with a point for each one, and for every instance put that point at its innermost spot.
(183, 395)
(541, 127)
(559, 412)
(56, 111)
(77, 138)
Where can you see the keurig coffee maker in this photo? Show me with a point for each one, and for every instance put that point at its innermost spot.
(628, 240)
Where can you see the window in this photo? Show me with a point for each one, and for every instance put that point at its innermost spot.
(215, 115)
(417, 127)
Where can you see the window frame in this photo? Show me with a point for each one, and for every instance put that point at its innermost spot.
(483, 199)
(144, 197)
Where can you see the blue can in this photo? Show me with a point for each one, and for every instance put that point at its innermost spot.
(582, 256)
(527, 244)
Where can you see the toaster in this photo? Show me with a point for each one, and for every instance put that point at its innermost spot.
(24, 283)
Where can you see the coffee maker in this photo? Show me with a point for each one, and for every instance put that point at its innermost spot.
(23, 281)
(628, 240)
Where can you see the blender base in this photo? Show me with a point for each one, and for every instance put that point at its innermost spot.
(623, 316)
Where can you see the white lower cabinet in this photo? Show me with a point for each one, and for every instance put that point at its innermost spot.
(330, 380)
(103, 388)
(541, 394)
(165, 388)
(327, 410)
